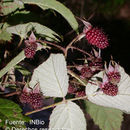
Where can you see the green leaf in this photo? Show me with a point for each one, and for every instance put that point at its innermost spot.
(57, 6)
(23, 29)
(10, 111)
(106, 118)
(9, 7)
(22, 70)
(5, 36)
(12, 63)
(3, 26)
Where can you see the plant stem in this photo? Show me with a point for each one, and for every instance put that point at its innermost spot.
(77, 77)
(78, 98)
(20, 42)
(53, 105)
(77, 38)
(53, 44)
(44, 108)
(81, 50)
(12, 94)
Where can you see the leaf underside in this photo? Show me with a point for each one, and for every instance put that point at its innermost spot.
(120, 101)
(52, 76)
(67, 116)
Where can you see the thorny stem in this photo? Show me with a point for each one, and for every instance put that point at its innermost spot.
(81, 51)
(53, 105)
(21, 83)
(13, 93)
(77, 38)
(65, 50)
(53, 44)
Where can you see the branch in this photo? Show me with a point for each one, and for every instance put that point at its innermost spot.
(53, 105)
(53, 44)
(77, 38)
(77, 77)
(44, 108)
(13, 93)
(78, 49)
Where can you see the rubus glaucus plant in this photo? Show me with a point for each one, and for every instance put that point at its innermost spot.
(74, 88)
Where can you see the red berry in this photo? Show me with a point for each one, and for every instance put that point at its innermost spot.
(33, 97)
(24, 97)
(36, 100)
(86, 72)
(113, 73)
(30, 46)
(114, 77)
(97, 38)
(110, 89)
(30, 50)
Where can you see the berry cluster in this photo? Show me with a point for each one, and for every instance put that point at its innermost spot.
(31, 97)
(93, 66)
(113, 73)
(97, 37)
(111, 79)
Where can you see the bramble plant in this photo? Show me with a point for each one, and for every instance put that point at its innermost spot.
(104, 88)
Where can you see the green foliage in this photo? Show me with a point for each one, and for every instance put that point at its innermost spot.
(23, 29)
(9, 7)
(5, 36)
(57, 6)
(106, 118)
(10, 111)
(22, 70)
(12, 63)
